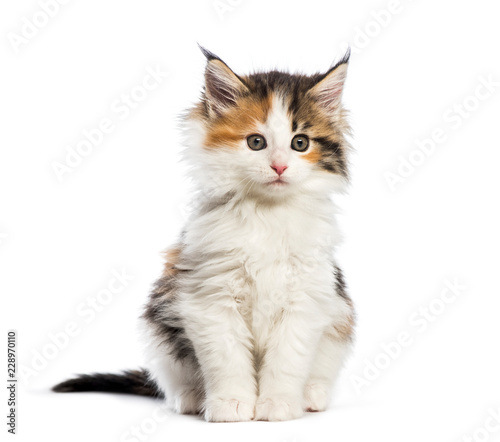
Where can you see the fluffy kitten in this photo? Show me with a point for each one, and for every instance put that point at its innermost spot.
(250, 319)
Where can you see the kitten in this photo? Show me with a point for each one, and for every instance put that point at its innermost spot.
(250, 318)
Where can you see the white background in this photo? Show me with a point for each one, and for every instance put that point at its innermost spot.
(125, 203)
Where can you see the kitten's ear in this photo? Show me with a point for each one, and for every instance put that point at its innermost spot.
(328, 91)
(222, 85)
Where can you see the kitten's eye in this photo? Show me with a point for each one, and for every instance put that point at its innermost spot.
(256, 142)
(300, 143)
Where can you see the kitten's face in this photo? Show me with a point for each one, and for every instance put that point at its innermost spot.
(271, 135)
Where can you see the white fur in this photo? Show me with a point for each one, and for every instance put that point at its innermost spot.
(259, 301)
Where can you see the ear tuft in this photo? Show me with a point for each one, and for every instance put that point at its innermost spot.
(222, 86)
(328, 90)
(208, 55)
(344, 60)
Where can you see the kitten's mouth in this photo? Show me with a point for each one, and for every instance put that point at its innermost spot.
(278, 182)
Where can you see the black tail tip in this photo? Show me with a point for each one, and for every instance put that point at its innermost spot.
(128, 382)
(64, 387)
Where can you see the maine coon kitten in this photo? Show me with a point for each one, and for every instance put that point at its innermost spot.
(250, 319)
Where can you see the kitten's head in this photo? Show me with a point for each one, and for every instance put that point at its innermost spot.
(269, 135)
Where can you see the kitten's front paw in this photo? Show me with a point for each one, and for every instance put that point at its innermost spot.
(278, 409)
(228, 410)
(316, 397)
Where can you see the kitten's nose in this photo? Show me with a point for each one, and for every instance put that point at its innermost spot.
(279, 169)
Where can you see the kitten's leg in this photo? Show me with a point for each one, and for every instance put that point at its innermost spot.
(178, 378)
(224, 348)
(170, 356)
(302, 358)
(332, 350)
(180, 382)
(176, 375)
(330, 356)
(289, 351)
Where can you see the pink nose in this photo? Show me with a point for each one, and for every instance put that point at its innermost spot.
(279, 169)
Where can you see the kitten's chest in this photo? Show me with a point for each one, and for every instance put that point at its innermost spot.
(266, 260)
(265, 236)
(263, 244)
(277, 249)
(280, 260)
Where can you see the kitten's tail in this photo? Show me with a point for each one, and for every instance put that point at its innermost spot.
(128, 382)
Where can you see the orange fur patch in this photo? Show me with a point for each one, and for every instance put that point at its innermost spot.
(343, 331)
(313, 155)
(172, 258)
(239, 122)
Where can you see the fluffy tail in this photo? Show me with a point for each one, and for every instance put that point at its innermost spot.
(128, 382)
